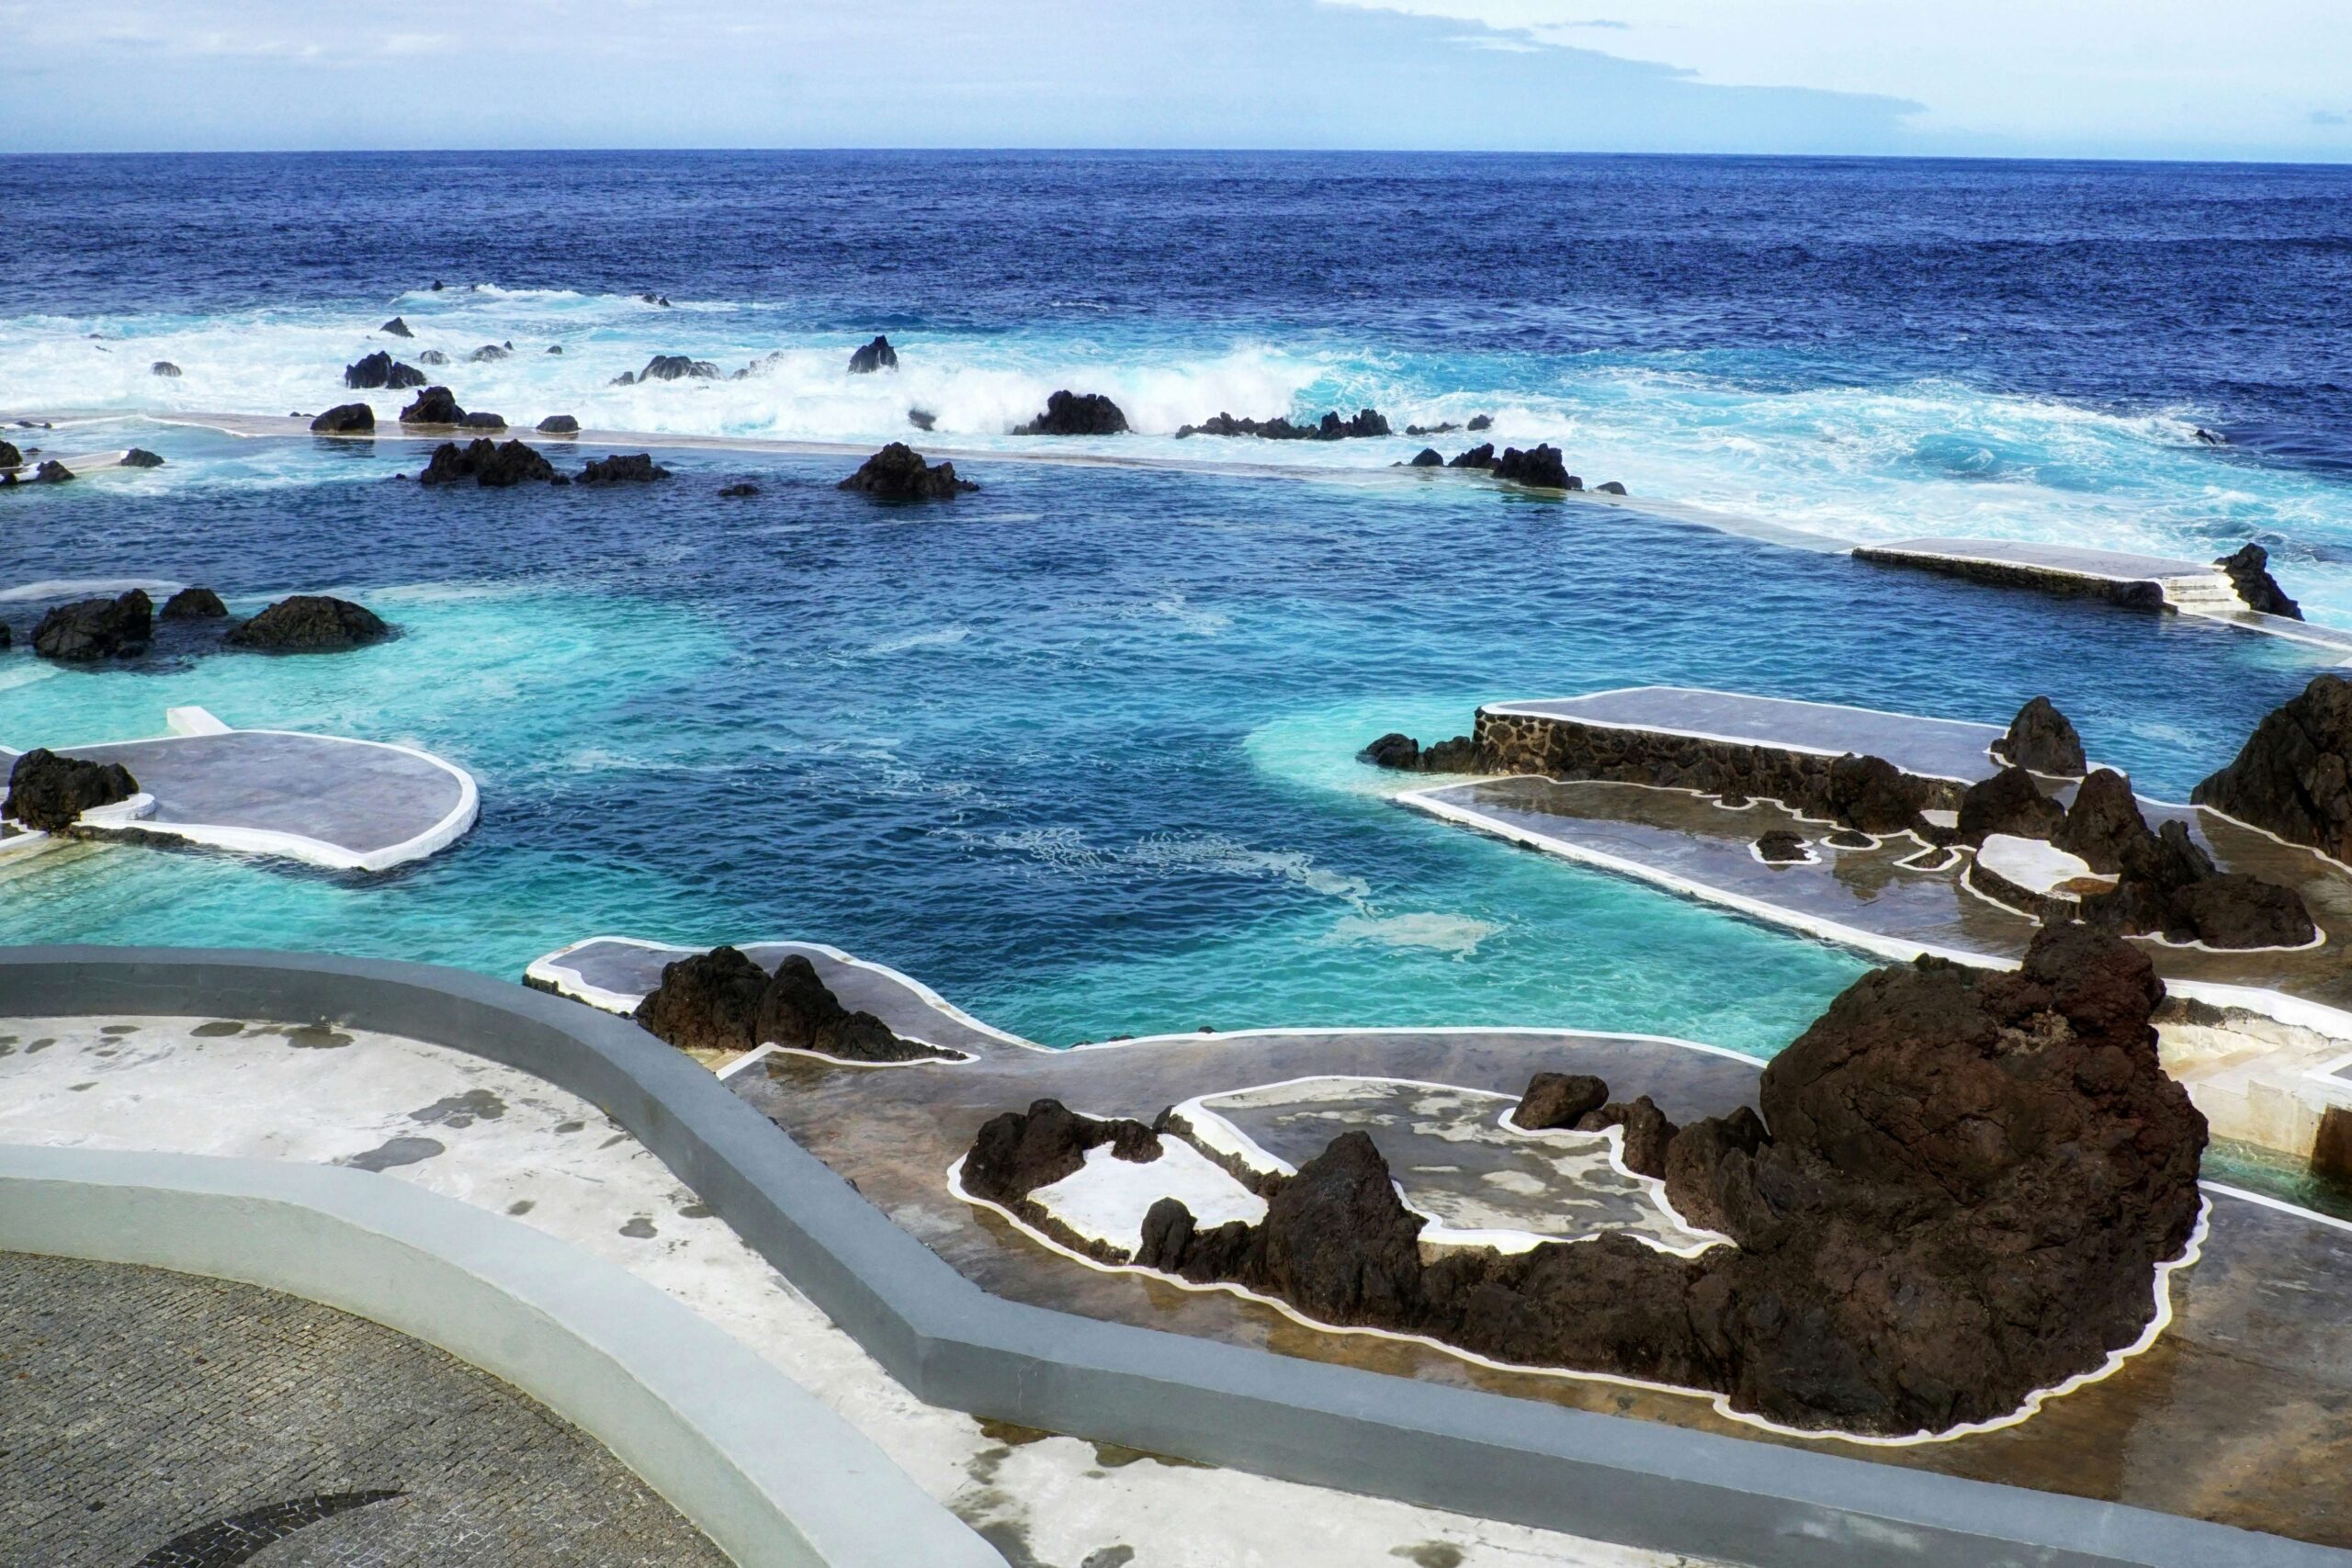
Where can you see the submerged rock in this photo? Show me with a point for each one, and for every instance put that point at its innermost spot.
(558, 424)
(898, 472)
(10, 457)
(1541, 469)
(636, 467)
(93, 629)
(1074, 413)
(139, 457)
(490, 353)
(397, 328)
(2293, 776)
(2249, 572)
(195, 604)
(1330, 427)
(876, 355)
(2042, 739)
(164, 368)
(433, 357)
(346, 418)
(435, 405)
(1459, 755)
(1479, 422)
(310, 622)
(380, 369)
(49, 792)
(1610, 488)
(492, 464)
(738, 489)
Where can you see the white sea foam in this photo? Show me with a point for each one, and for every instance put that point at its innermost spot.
(1457, 934)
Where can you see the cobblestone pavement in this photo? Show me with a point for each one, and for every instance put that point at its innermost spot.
(157, 1420)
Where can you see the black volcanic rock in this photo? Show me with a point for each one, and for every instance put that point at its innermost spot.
(52, 472)
(1076, 413)
(635, 467)
(1018, 1152)
(898, 473)
(1330, 427)
(1459, 755)
(2249, 572)
(492, 464)
(1610, 487)
(2104, 823)
(1339, 1243)
(396, 328)
(93, 629)
(478, 420)
(799, 1011)
(10, 456)
(195, 604)
(433, 357)
(1479, 422)
(1479, 456)
(678, 368)
(48, 792)
(380, 369)
(1559, 1099)
(310, 622)
(139, 457)
(1427, 457)
(876, 355)
(1647, 1132)
(709, 1001)
(2293, 776)
(1872, 795)
(558, 424)
(2042, 739)
(1541, 469)
(435, 405)
(490, 353)
(2009, 802)
(2232, 910)
(165, 369)
(1782, 846)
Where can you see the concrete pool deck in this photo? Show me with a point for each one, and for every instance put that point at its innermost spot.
(328, 801)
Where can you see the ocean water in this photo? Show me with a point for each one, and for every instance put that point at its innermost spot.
(1079, 750)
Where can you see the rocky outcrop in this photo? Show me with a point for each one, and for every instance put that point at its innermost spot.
(898, 473)
(800, 1012)
(479, 420)
(1019, 1152)
(1427, 457)
(1871, 794)
(2249, 572)
(1647, 1132)
(491, 352)
(617, 468)
(165, 369)
(433, 357)
(491, 464)
(2293, 777)
(1782, 846)
(396, 328)
(1610, 487)
(2042, 739)
(310, 622)
(52, 472)
(139, 457)
(1541, 469)
(1559, 1099)
(1402, 752)
(740, 489)
(92, 629)
(558, 424)
(379, 369)
(195, 604)
(49, 792)
(671, 367)
(435, 405)
(876, 355)
(1330, 427)
(1076, 413)
(10, 457)
(346, 418)
(720, 1000)
(921, 419)
(2009, 802)
(1479, 456)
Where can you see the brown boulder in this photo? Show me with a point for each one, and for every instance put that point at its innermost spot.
(2042, 739)
(1559, 1099)
(2293, 777)
(2009, 802)
(1872, 795)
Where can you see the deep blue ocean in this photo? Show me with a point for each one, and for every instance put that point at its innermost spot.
(1078, 749)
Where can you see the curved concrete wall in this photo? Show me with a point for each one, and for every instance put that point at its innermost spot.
(772, 1476)
(952, 1344)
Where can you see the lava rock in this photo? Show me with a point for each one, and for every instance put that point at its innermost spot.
(2104, 823)
(1459, 755)
(678, 368)
(396, 328)
(433, 357)
(1427, 457)
(380, 369)
(2293, 776)
(2042, 739)
(636, 467)
(1541, 469)
(92, 629)
(1479, 422)
(1610, 488)
(1330, 427)
(346, 418)
(1697, 1159)
(164, 368)
(2009, 802)
(139, 457)
(798, 1010)
(2249, 572)
(876, 355)
(310, 622)
(1872, 795)
(706, 1002)
(1559, 1099)
(1646, 1132)
(738, 489)
(10, 457)
(898, 473)
(2232, 910)
(491, 464)
(1479, 456)
(558, 424)
(490, 353)
(480, 420)
(921, 419)
(1016, 1153)
(1074, 413)
(49, 792)
(1418, 431)
(435, 405)
(195, 604)
(52, 472)
(1782, 846)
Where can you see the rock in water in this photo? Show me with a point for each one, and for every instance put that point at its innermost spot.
(1330, 427)
(481, 421)
(921, 419)
(397, 328)
(898, 473)
(10, 456)
(558, 424)
(2009, 802)
(1782, 846)
(1541, 470)
(1427, 457)
(1559, 1099)
(707, 1002)
(876, 355)
(52, 472)
(1647, 1132)
(165, 369)
(1479, 456)
(1459, 755)
(93, 629)
(490, 353)
(435, 405)
(310, 622)
(433, 357)
(1073, 413)
(2042, 739)
(2249, 572)
(678, 368)
(1871, 794)
(139, 457)
(1479, 422)
(491, 464)
(48, 792)
(195, 604)
(800, 1012)
(638, 468)
(346, 418)
(1611, 488)
(2293, 777)
(380, 369)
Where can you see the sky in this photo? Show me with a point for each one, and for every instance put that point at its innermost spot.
(2253, 79)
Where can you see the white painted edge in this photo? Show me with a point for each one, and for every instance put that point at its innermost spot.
(2159, 1322)
(193, 721)
(771, 1474)
(1897, 547)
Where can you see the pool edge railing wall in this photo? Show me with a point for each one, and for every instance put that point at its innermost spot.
(950, 1343)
